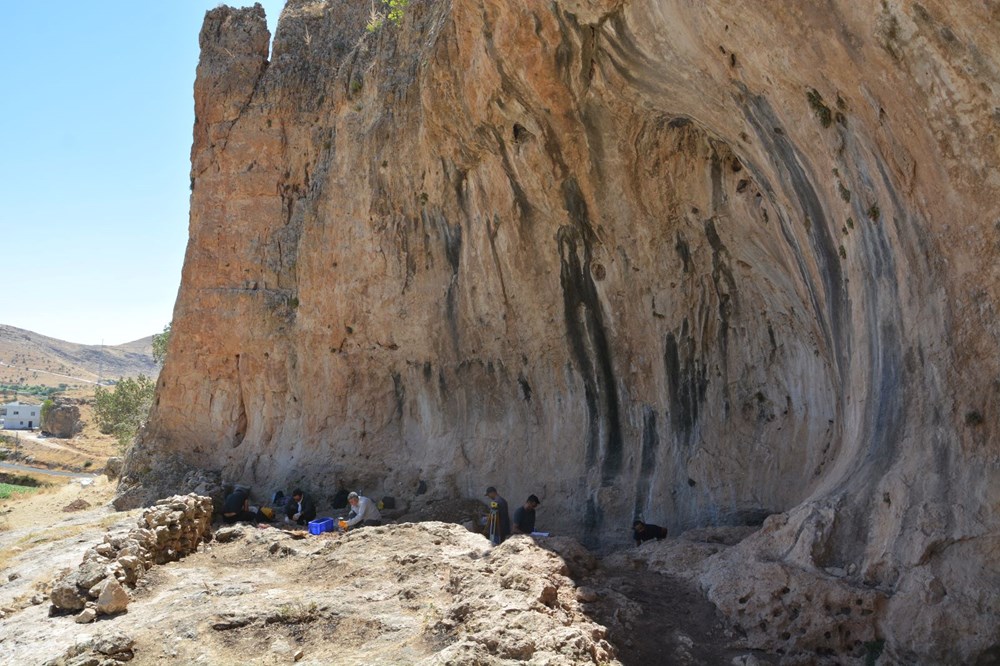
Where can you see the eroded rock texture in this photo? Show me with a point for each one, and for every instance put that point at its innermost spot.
(699, 262)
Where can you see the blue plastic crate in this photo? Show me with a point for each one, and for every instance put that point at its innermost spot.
(320, 525)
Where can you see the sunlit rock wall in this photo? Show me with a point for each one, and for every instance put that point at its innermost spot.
(695, 262)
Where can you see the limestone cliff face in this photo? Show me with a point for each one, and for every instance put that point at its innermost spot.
(697, 262)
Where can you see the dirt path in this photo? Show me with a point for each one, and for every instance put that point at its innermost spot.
(44, 441)
(28, 469)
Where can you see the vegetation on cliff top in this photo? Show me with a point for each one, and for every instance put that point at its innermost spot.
(391, 11)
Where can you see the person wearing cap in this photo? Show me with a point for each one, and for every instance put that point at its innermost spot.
(364, 512)
(524, 516)
(501, 521)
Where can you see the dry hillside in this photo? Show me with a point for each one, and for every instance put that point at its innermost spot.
(37, 360)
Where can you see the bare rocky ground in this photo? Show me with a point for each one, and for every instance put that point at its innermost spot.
(412, 593)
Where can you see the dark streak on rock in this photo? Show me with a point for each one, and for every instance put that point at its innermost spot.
(588, 339)
(399, 391)
(761, 116)
(592, 519)
(725, 286)
(716, 174)
(647, 460)
(525, 388)
(520, 197)
(687, 382)
(684, 251)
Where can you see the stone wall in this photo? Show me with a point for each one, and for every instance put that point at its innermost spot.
(167, 531)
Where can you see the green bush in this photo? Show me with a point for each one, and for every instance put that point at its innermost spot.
(29, 389)
(121, 411)
(393, 14)
(160, 342)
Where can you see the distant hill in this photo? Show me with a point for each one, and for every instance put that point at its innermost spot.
(33, 359)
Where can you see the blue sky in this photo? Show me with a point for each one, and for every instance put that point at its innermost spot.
(95, 141)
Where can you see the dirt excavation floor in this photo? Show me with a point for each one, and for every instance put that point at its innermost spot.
(412, 593)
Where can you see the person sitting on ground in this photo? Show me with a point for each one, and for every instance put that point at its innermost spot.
(645, 531)
(501, 528)
(524, 516)
(236, 508)
(364, 512)
(300, 508)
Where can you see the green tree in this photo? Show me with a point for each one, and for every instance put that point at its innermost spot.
(122, 410)
(160, 341)
(46, 408)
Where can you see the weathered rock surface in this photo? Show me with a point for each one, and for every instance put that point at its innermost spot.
(428, 593)
(63, 421)
(697, 262)
(113, 468)
(112, 599)
(108, 648)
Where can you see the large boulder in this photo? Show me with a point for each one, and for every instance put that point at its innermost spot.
(63, 421)
(113, 468)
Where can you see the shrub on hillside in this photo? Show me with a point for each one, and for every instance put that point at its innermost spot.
(121, 410)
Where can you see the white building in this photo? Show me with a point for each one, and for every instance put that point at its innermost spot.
(18, 416)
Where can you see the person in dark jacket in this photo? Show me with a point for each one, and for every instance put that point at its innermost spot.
(645, 531)
(498, 522)
(236, 508)
(300, 508)
(524, 516)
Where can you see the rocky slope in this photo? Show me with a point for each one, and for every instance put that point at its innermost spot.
(428, 593)
(698, 263)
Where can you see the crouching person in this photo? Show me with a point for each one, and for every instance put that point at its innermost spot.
(300, 508)
(364, 512)
(645, 531)
(236, 508)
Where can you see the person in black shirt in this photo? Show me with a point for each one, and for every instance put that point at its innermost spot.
(524, 516)
(300, 508)
(645, 531)
(236, 508)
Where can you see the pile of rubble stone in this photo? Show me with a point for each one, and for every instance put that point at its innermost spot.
(167, 531)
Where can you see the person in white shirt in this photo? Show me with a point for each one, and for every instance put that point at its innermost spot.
(364, 512)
